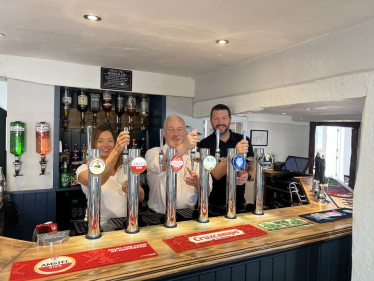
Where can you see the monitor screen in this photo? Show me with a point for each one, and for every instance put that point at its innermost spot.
(297, 165)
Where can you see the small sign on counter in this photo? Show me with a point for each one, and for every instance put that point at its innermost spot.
(116, 79)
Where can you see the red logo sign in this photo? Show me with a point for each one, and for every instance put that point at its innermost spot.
(138, 165)
(176, 163)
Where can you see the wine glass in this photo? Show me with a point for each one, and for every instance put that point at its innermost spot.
(121, 179)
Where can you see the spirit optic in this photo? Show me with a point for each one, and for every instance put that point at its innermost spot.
(42, 143)
(131, 110)
(66, 103)
(17, 143)
(107, 106)
(120, 109)
(95, 108)
(82, 106)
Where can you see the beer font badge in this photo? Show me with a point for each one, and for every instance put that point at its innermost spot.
(54, 265)
(209, 163)
(212, 237)
(176, 163)
(47, 267)
(238, 162)
(96, 166)
(138, 165)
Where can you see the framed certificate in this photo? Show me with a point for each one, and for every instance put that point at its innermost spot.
(259, 138)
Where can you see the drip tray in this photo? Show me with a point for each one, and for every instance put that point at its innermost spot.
(81, 227)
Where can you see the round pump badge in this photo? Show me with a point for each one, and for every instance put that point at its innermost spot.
(209, 163)
(138, 165)
(176, 163)
(96, 166)
(238, 162)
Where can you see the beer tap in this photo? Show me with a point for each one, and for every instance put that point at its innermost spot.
(136, 166)
(173, 165)
(161, 153)
(248, 160)
(218, 152)
(263, 161)
(125, 155)
(235, 163)
(207, 164)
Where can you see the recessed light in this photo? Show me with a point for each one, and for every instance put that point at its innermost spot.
(284, 113)
(92, 17)
(2, 35)
(222, 41)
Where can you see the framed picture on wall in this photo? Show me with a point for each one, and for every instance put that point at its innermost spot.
(259, 137)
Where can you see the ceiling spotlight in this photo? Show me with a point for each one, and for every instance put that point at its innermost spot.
(2, 35)
(222, 41)
(92, 17)
(284, 113)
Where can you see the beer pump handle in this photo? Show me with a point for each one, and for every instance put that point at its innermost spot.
(89, 140)
(218, 153)
(245, 138)
(193, 153)
(161, 153)
(125, 155)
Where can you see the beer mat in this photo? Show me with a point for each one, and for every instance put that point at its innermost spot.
(329, 216)
(283, 224)
(212, 237)
(339, 194)
(52, 266)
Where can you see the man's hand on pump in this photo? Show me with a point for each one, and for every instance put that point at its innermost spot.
(192, 179)
(242, 147)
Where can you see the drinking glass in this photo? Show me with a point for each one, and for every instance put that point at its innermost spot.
(121, 179)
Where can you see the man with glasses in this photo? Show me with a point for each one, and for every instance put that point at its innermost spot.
(187, 180)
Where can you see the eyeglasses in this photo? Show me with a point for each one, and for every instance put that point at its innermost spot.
(173, 130)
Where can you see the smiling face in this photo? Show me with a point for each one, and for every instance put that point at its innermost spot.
(174, 132)
(220, 120)
(105, 143)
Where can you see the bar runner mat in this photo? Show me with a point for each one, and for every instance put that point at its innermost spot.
(329, 216)
(283, 224)
(27, 270)
(342, 196)
(212, 237)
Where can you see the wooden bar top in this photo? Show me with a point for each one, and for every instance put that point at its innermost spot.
(169, 262)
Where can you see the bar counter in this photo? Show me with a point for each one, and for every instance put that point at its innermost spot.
(204, 262)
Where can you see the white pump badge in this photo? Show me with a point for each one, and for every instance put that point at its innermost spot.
(96, 166)
(209, 163)
(138, 165)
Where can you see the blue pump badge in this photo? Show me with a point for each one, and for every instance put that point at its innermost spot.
(238, 162)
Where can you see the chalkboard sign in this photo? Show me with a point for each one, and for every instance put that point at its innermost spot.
(116, 79)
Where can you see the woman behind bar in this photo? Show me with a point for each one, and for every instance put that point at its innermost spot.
(112, 204)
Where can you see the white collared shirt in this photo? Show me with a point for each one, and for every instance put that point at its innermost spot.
(186, 194)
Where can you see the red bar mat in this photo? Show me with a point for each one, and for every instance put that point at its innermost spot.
(212, 237)
(39, 268)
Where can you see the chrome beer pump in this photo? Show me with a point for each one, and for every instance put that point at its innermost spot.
(262, 162)
(161, 159)
(173, 165)
(136, 166)
(125, 155)
(248, 160)
(96, 166)
(235, 163)
(207, 163)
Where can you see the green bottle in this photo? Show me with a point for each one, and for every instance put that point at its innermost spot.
(65, 176)
(17, 138)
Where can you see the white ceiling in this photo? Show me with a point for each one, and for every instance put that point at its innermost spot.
(169, 36)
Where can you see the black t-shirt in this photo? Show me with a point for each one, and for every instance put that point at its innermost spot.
(218, 195)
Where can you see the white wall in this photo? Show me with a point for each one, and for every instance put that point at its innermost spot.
(3, 94)
(84, 76)
(183, 108)
(30, 103)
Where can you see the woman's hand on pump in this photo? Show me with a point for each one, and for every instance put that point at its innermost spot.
(123, 139)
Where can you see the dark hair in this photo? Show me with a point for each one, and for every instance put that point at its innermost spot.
(220, 107)
(95, 137)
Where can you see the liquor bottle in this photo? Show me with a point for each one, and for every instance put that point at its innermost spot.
(83, 151)
(66, 103)
(66, 154)
(82, 106)
(134, 144)
(95, 107)
(42, 143)
(17, 143)
(65, 176)
(73, 176)
(60, 157)
(2, 183)
(75, 156)
(143, 148)
(120, 109)
(144, 113)
(107, 106)
(131, 110)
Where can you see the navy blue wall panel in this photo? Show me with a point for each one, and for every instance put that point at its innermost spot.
(253, 271)
(35, 207)
(279, 268)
